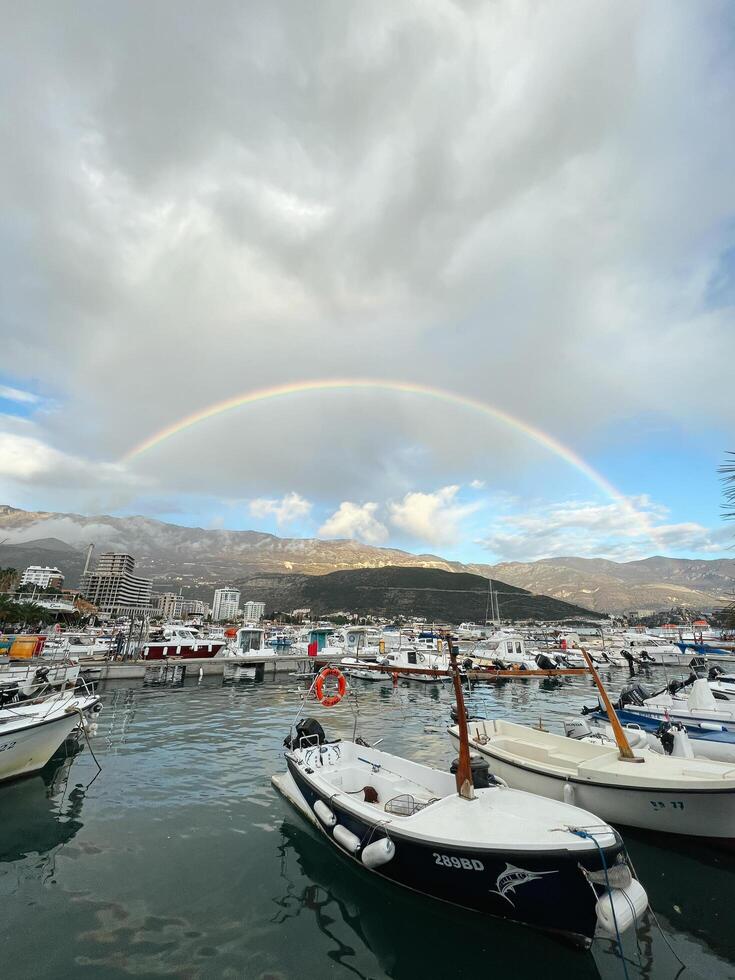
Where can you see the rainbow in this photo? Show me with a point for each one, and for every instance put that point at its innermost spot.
(537, 435)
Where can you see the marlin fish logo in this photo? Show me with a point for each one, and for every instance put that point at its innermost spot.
(512, 878)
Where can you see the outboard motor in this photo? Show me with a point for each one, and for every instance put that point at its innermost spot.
(9, 694)
(633, 694)
(576, 727)
(306, 728)
(666, 737)
(673, 686)
(714, 672)
(674, 740)
(482, 778)
(544, 662)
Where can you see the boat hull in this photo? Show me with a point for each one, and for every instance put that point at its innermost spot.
(709, 814)
(28, 749)
(551, 893)
(197, 651)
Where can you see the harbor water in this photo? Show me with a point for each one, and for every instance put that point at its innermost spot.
(180, 860)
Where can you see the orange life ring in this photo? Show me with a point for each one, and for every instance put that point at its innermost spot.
(341, 686)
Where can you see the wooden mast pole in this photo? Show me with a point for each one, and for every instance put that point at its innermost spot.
(623, 744)
(465, 786)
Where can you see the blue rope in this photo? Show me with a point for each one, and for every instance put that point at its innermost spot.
(588, 836)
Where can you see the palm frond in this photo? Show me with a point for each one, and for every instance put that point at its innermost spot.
(728, 478)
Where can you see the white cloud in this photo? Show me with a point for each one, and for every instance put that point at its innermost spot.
(357, 521)
(433, 518)
(477, 484)
(618, 530)
(16, 395)
(27, 458)
(288, 509)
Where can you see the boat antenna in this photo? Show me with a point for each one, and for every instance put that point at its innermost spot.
(626, 753)
(464, 769)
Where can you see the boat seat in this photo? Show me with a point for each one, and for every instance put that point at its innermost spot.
(525, 749)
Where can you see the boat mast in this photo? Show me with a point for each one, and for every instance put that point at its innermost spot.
(465, 787)
(626, 752)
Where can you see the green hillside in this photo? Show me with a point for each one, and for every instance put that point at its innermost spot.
(432, 593)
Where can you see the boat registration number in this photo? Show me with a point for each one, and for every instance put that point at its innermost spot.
(451, 861)
(660, 805)
(6, 745)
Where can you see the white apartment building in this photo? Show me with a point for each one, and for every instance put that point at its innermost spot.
(253, 611)
(225, 605)
(114, 588)
(42, 576)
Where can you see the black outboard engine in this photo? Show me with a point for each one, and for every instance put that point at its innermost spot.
(544, 662)
(8, 695)
(587, 710)
(481, 775)
(665, 737)
(306, 728)
(673, 686)
(714, 672)
(467, 664)
(633, 694)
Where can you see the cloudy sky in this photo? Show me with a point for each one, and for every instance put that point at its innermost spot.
(527, 205)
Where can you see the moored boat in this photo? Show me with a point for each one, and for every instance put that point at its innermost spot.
(692, 797)
(31, 733)
(487, 848)
(180, 641)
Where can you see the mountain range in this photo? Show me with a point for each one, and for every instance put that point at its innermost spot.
(197, 560)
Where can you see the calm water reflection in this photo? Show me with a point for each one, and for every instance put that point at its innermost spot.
(179, 860)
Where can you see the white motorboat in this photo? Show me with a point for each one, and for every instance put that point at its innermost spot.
(503, 651)
(247, 652)
(38, 673)
(30, 733)
(722, 685)
(694, 705)
(693, 797)
(414, 664)
(364, 670)
(461, 838)
(78, 645)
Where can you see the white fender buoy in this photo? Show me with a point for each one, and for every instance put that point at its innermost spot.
(629, 904)
(378, 853)
(569, 794)
(348, 840)
(324, 813)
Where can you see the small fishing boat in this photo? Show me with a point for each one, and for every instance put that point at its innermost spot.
(692, 797)
(670, 793)
(460, 838)
(30, 732)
